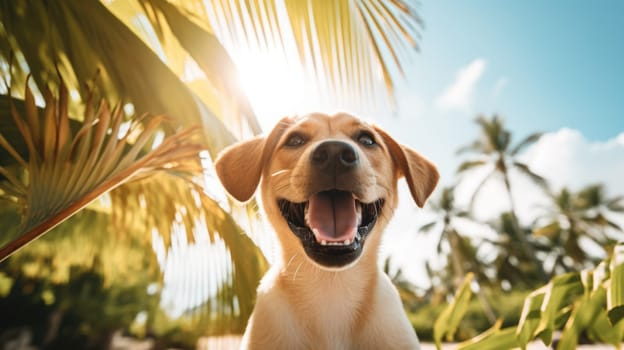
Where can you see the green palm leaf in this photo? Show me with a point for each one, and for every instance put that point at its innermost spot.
(537, 179)
(575, 302)
(446, 324)
(340, 42)
(469, 165)
(63, 37)
(67, 171)
(529, 140)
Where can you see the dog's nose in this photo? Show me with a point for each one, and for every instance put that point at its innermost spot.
(337, 155)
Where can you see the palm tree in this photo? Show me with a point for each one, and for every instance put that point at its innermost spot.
(495, 152)
(134, 54)
(573, 217)
(515, 265)
(461, 253)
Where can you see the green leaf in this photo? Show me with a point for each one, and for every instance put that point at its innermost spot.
(537, 179)
(66, 174)
(558, 294)
(530, 316)
(468, 165)
(142, 80)
(446, 324)
(426, 228)
(583, 315)
(551, 230)
(492, 339)
(615, 287)
(210, 55)
(526, 142)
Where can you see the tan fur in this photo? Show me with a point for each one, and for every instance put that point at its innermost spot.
(300, 304)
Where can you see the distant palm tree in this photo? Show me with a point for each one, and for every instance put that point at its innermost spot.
(515, 265)
(493, 150)
(462, 254)
(577, 216)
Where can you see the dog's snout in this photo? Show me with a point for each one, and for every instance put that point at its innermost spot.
(337, 155)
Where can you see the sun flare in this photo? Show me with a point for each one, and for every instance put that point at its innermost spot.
(275, 85)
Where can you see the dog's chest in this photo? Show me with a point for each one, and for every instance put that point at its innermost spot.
(331, 312)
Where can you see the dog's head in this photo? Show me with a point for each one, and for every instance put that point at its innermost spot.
(328, 183)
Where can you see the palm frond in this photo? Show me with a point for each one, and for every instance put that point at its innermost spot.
(475, 146)
(426, 228)
(469, 165)
(549, 230)
(495, 137)
(537, 179)
(591, 196)
(204, 47)
(67, 171)
(62, 37)
(529, 140)
(340, 42)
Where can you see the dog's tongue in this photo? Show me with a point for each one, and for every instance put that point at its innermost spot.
(332, 216)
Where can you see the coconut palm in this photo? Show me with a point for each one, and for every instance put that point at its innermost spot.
(495, 152)
(574, 217)
(461, 254)
(514, 264)
(134, 54)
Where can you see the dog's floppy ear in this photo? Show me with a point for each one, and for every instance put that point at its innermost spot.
(421, 175)
(239, 166)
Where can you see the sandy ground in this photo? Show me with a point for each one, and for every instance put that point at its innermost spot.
(232, 342)
(532, 346)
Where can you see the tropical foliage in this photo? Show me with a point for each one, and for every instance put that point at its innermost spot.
(110, 116)
(589, 303)
(583, 297)
(493, 151)
(130, 187)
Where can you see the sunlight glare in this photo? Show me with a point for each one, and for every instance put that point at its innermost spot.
(274, 85)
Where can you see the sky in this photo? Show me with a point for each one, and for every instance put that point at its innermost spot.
(543, 67)
(552, 67)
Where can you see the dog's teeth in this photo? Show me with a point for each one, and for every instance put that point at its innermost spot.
(346, 242)
(323, 242)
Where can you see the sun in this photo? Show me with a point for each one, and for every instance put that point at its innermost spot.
(275, 85)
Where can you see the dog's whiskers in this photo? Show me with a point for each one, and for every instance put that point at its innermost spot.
(296, 271)
(280, 172)
(291, 260)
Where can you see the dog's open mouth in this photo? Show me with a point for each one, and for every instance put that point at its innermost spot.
(332, 225)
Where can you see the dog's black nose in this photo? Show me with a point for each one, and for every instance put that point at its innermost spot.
(337, 155)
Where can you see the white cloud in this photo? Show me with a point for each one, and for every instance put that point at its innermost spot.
(460, 95)
(567, 158)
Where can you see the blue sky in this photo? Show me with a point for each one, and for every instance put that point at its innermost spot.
(543, 66)
(553, 67)
(562, 61)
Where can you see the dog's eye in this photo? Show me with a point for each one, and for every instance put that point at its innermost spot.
(366, 139)
(295, 140)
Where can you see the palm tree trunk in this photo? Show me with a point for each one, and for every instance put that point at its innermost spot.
(458, 271)
(456, 258)
(528, 251)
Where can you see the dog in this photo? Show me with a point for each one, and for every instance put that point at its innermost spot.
(328, 186)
